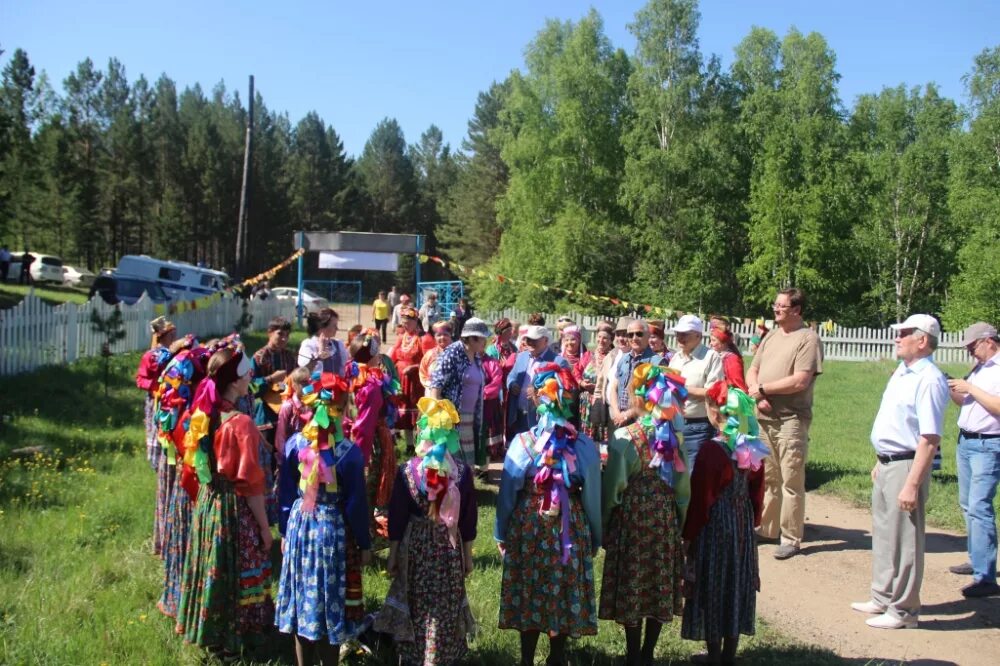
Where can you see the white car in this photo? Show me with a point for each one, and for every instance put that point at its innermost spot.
(45, 268)
(77, 277)
(310, 301)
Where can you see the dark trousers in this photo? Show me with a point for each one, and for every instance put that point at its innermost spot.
(381, 325)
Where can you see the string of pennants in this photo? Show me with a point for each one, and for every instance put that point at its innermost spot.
(207, 301)
(455, 267)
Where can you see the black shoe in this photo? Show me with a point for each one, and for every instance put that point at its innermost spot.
(980, 588)
(963, 569)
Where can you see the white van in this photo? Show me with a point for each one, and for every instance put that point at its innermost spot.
(180, 280)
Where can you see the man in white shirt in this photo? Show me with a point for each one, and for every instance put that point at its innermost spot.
(701, 367)
(978, 456)
(430, 311)
(906, 433)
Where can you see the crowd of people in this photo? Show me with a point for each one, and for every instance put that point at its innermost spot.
(673, 460)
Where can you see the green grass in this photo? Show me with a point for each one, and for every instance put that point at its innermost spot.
(12, 294)
(78, 582)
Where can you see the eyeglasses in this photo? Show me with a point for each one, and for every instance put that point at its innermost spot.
(779, 307)
(636, 334)
(621, 334)
(973, 346)
(905, 332)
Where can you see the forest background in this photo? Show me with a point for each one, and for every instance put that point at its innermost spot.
(657, 177)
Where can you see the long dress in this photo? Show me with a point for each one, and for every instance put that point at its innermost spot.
(725, 505)
(371, 433)
(537, 591)
(590, 374)
(643, 565)
(427, 612)
(406, 355)
(226, 586)
(313, 593)
(147, 379)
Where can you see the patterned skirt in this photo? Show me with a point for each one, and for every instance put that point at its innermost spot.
(381, 475)
(467, 439)
(493, 428)
(726, 571)
(177, 532)
(643, 565)
(164, 489)
(596, 433)
(411, 392)
(153, 450)
(313, 586)
(538, 592)
(225, 587)
(426, 612)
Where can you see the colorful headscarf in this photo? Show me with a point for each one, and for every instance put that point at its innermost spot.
(173, 398)
(437, 472)
(322, 417)
(741, 434)
(663, 394)
(555, 445)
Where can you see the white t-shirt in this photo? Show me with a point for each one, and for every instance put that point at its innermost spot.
(912, 405)
(700, 370)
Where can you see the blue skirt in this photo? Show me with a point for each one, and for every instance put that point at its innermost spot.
(313, 583)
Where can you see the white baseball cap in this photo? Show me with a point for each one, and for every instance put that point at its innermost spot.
(920, 322)
(689, 324)
(537, 333)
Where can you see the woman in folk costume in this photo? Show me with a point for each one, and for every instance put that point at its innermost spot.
(147, 378)
(722, 341)
(442, 338)
(548, 524)
(432, 524)
(573, 351)
(596, 424)
(373, 391)
(406, 355)
(646, 488)
(289, 421)
(727, 494)
(178, 384)
(323, 495)
(225, 588)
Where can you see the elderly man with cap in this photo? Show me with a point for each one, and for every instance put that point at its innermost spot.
(606, 373)
(978, 396)
(906, 434)
(521, 413)
(620, 408)
(700, 367)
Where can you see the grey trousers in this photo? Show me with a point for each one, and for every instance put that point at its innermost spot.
(897, 542)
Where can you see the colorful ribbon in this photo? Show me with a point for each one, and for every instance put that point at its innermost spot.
(741, 434)
(662, 392)
(322, 417)
(437, 472)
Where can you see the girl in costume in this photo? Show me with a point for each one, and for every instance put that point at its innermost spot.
(373, 391)
(442, 338)
(147, 378)
(548, 524)
(323, 495)
(225, 588)
(432, 524)
(406, 355)
(596, 424)
(289, 422)
(178, 383)
(646, 488)
(727, 493)
(721, 340)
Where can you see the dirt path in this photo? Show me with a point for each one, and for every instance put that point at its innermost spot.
(808, 597)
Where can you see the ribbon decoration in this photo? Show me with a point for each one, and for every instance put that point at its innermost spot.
(741, 434)
(321, 417)
(662, 392)
(555, 446)
(173, 397)
(437, 472)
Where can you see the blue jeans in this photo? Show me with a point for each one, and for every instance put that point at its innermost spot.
(696, 434)
(978, 474)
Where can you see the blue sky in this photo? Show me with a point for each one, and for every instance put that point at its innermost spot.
(424, 62)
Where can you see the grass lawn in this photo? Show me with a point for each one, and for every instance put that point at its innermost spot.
(78, 582)
(12, 294)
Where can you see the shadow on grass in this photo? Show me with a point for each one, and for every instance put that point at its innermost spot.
(819, 474)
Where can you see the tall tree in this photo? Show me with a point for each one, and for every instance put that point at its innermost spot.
(975, 199)
(84, 107)
(18, 163)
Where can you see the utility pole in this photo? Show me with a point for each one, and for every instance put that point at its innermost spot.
(242, 228)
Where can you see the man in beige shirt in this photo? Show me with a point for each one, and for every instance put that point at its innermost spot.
(781, 378)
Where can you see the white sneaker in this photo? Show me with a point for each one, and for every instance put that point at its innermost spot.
(886, 621)
(869, 607)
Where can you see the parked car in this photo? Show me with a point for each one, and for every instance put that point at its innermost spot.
(310, 301)
(45, 267)
(77, 277)
(114, 289)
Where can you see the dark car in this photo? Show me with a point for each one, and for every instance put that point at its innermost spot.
(114, 290)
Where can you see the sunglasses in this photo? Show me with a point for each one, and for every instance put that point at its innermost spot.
(636, 334)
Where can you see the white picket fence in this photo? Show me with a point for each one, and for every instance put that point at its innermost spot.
(34, 333)
(839, 343)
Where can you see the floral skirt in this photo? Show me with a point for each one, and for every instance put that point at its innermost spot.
(225, 587)
(164, 489)
(426, 611)
(177, 532)
(153, 450)
(643, 565)
(313, 588)
(493, 428)
(726, 571)
(538, 592)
